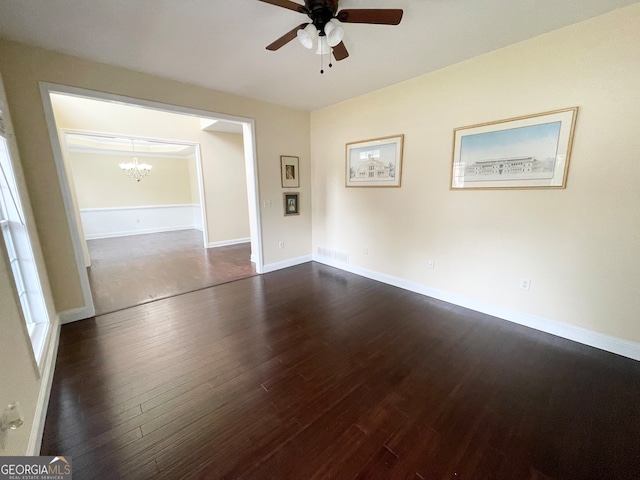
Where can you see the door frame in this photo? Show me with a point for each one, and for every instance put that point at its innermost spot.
(251, 167)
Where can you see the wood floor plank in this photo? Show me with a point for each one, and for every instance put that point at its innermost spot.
(311, 372)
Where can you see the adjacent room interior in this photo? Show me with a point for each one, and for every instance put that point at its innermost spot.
(180, 225)
(427, 216)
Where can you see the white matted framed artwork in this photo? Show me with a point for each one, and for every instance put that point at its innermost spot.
(290, 171)
(532, 151)
(375, 163)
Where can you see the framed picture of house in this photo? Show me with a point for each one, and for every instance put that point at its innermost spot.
(291, 203)
(375, 163)
(290, 170)
(524, 152)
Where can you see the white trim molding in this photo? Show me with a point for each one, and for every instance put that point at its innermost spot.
(88, 309)
(226, 243)
(619, 346)
(74, 314)
(292, 262)
(46, 380)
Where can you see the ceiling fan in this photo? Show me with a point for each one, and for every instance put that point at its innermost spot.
(323, 25)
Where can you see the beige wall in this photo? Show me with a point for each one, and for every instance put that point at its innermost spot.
(278, 130)
(100, 183)
(193, 181)
(579, 246)
(226, 176)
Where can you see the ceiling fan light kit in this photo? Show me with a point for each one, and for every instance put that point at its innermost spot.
(307, 35)
(323, 46)
(333, 32)
(324, 24)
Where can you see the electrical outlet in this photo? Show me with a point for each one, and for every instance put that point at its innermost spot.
(365, 250)
(525, 284)
(267, 204)
(431, 264)
(280, 244)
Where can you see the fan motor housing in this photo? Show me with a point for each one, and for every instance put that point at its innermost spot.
(321, 11)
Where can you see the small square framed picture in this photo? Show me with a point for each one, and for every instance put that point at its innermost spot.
(290, 170)
(291, 203)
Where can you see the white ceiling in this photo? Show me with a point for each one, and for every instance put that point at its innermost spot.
(220, 43)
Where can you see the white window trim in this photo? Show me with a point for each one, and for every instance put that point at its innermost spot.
(37, 324)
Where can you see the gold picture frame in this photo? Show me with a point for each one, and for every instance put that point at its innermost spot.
(528, 152)
(374, 163)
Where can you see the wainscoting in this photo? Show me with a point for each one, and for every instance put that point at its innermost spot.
(122, 221)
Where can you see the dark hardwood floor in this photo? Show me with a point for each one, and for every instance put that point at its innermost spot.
(311, 372)
(137, 269)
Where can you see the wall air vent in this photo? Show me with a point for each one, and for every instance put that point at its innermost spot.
(333, 254)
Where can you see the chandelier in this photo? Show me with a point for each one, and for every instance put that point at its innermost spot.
(134, 169)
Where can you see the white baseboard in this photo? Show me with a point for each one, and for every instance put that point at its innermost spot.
(123, 221)
(46, 380)
(619, 346)
(75, 314)
(226, 243)
(292, 262)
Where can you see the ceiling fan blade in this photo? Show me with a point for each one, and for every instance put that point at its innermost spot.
(287, 4)
(286, 38)
(383, 16)
(340, 52)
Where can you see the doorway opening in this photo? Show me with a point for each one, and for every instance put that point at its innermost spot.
(177, 210)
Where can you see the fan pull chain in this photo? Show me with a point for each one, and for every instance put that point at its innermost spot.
(322, 62)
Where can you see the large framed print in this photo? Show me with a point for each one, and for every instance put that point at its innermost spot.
(290, 171)
(375, 163)
(524, 152)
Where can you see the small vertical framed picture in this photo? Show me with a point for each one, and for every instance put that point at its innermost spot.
(290, 170)
(291, 203)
